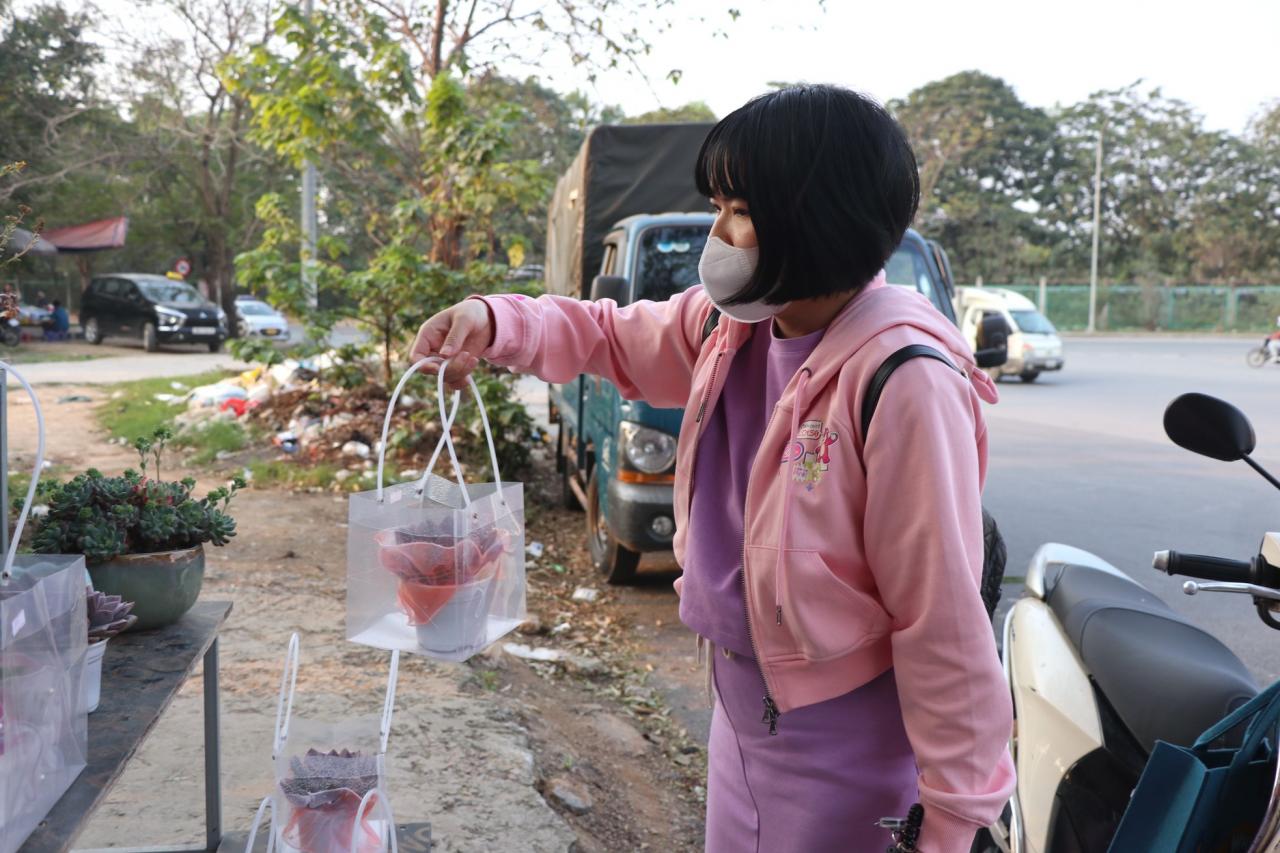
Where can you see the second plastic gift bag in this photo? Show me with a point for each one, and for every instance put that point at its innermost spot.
(436, 567)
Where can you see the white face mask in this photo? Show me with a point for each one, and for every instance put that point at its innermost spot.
(724, 271)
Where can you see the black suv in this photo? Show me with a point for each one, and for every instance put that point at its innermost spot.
(156, 309)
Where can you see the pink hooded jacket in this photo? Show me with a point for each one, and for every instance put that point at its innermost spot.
(859, 554)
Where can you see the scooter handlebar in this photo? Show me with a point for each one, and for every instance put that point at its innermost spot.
(1206, 568)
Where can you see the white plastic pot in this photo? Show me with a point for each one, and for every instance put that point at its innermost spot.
(93, 675)
(461, 627)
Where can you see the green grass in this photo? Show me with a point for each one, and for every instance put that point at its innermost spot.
(136, 412)
(292, 475)
(212, 438)
(28, 357)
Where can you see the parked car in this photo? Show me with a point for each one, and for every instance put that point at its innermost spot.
(1034, 345)
(257, 319)
(153, 309)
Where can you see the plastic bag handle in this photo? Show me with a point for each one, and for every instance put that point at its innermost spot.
(284, 706)
(7, 571)
(447, 437)
(383, 803)
(1246, 711)
(445, 423)
(257, 822)
(389, 704)
(391, 408)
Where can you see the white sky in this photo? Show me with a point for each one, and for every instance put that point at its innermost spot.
(1222, 56)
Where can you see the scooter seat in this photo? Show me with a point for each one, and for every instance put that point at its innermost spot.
(1166, 679)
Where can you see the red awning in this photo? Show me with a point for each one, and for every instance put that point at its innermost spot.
(90, 237)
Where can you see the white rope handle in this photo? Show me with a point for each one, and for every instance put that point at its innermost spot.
(383, 804)
(7, 571)
(447, 437)
(389, 704)
(391, 408)
(284, 706)
(257, 822)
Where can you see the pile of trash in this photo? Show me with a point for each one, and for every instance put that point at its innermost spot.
(308, 416)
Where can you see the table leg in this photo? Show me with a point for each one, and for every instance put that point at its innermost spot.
(212, 754)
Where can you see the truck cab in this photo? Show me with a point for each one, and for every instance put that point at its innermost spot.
(616, 457)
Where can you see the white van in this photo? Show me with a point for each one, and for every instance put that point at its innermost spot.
(1034, 345)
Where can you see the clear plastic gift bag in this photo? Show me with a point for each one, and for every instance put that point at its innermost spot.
(436, 567)
(330, 794)
(43, 638)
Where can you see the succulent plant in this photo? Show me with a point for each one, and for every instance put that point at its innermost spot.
(108, 615)
(104, 517)
(319, 779)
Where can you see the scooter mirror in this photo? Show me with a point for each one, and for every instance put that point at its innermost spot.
(1210, 427)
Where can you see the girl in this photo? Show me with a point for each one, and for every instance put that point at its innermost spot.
(834, 575)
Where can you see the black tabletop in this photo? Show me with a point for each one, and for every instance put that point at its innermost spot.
(141, 673)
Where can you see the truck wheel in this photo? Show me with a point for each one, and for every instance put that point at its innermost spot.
(568, 468)
(1030, 376)
(150, 339)
(612, 559)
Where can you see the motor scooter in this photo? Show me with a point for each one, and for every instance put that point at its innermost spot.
(1100, 669)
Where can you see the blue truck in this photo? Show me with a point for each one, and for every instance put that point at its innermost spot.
(626, 224)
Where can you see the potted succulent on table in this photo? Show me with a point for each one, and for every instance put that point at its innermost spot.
(142, 537)
(108, 616)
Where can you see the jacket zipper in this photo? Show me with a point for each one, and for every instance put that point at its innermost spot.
(702, 407)
(771, 712)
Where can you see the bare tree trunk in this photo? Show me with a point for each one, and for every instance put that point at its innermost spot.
(437, 37)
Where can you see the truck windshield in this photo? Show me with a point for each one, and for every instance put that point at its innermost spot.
(667, 260)
(907, 268)
(1033, 323)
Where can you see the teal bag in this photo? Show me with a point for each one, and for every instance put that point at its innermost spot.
(1203, 800)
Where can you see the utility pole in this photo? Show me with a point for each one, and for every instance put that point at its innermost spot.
(309, 223)
(1097, 229)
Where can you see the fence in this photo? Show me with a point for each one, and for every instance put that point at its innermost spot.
(1197, 308)
(66, 291)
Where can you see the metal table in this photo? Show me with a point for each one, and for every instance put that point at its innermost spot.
(141, 674)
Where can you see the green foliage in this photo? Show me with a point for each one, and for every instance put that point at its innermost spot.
(291, 475)
(133, 411)
(255, 351)
(104, 517)
(694, 111)
(512, 427)
(210, 438)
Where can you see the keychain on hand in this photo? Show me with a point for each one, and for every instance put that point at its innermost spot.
(905, 831)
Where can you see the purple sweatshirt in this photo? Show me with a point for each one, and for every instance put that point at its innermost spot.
(711, 602)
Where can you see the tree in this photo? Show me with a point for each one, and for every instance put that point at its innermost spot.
(985, 159)
(694, 111)
(193, 132)
(50, 114)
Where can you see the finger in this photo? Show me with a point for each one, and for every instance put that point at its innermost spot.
(430, 337)
(460, 328)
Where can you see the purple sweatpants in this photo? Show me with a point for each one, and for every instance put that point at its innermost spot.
(820, 784)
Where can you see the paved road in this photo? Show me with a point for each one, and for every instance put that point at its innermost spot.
(1082, 458)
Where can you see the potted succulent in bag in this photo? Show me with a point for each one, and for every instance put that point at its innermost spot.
(324, 791)
(108, 616)
(142, 537)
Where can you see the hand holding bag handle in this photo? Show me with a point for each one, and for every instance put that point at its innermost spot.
(447, 436)
(7, 571)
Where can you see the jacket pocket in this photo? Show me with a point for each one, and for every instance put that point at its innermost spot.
(828, 617)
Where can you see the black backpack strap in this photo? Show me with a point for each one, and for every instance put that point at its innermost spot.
(713, 320)
(886, 370)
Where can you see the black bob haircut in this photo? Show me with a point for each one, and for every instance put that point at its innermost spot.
(829, 179)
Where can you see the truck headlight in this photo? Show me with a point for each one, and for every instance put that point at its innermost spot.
(646, 450)
(170, 319)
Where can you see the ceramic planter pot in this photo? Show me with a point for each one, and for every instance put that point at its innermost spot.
(162, 586)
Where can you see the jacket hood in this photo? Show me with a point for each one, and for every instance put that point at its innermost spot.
(877, 309)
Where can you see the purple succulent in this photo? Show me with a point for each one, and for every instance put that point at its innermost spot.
(108, 615)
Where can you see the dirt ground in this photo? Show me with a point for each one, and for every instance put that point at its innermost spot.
(498, 754)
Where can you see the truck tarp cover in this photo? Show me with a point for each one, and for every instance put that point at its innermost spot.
(621, 170)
